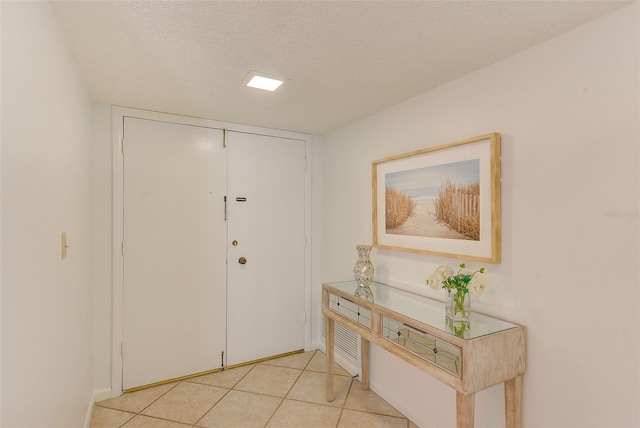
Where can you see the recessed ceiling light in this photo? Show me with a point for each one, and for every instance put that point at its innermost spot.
(262, 81)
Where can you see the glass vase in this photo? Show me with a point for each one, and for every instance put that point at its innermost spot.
(363, 273)
(458, 328)
(458, 306)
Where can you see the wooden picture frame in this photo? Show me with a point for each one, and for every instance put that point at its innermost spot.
(442, 200)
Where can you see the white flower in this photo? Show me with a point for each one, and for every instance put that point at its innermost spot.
(434, 281)
(445, 271)
(440, 274)
(477, 285)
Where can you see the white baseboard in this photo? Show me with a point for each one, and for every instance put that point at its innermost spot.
(103, 394)
(99, 395)
(353, 367)
(411, 413)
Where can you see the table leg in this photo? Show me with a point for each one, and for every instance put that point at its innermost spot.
(465, 407)
(513, 402)
(364, 348)
(329, 344)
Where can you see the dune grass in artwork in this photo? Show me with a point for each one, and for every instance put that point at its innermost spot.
(458, 206)
(398, 208)
(442, 200)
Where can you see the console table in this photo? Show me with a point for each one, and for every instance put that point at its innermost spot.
(468, 358)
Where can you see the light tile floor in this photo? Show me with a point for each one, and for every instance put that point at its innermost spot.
(285, 392)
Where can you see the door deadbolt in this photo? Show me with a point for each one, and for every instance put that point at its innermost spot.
(242, 260)
(234, 243)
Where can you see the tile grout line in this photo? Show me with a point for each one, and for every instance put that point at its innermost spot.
(345, 401)
(287, 396)
(214, 404)
(139, 413)
(164, 419)
(289, 391)
(154, 401)
(225, 394)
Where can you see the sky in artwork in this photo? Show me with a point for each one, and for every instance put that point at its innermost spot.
(429, 180)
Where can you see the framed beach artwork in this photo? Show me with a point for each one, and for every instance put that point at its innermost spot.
(442, 200)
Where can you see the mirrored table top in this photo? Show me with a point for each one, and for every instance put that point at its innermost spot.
(422, 309)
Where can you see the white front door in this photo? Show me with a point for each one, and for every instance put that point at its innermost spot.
(174, 302)
(266, 246)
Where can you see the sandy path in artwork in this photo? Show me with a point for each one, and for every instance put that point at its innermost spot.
(423, 222)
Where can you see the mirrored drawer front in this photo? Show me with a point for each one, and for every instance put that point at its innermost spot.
(350, 310)
(423, 344)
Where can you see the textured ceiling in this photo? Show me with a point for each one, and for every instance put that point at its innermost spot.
(343, 60)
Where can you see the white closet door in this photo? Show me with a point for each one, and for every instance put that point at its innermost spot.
(174, 251)
(266, 207)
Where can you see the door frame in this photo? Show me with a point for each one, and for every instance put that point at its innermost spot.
(118, 114)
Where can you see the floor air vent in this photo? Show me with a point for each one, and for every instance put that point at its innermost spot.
(344, 339)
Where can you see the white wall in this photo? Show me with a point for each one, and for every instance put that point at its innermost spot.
(568, 114)
(46, 301)
(101, 170)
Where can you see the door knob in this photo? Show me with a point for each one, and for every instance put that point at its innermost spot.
(242, 260)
